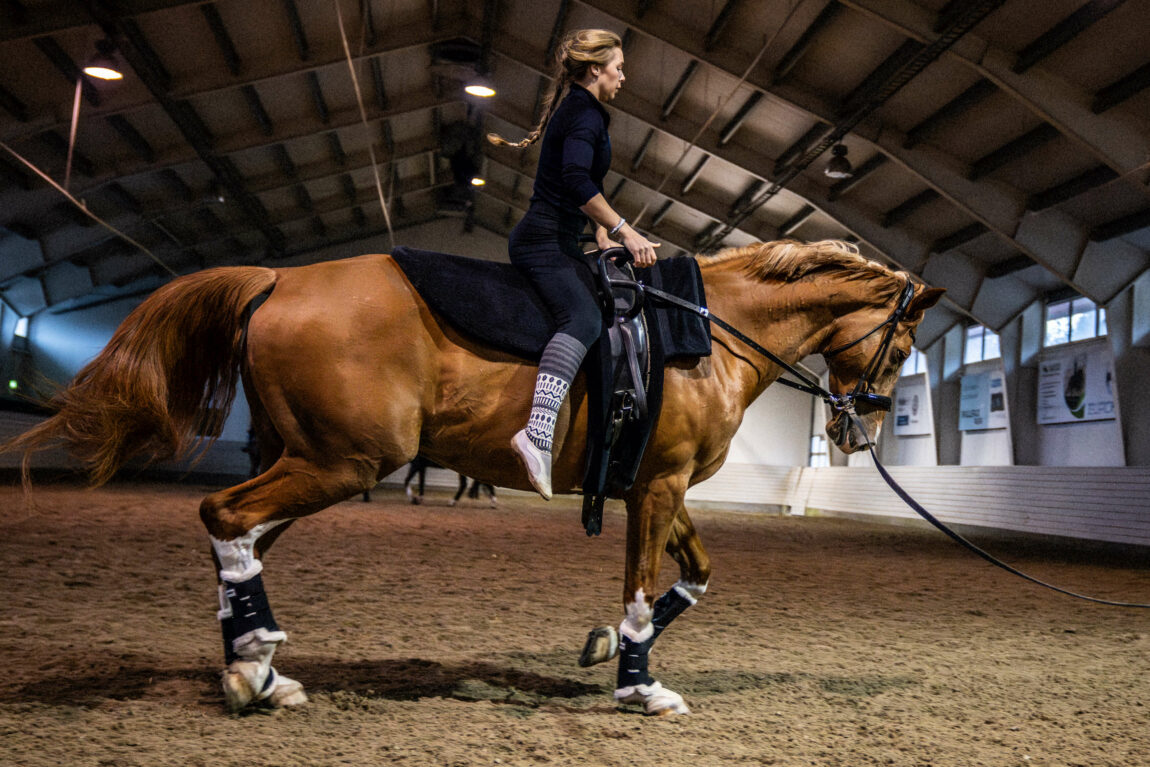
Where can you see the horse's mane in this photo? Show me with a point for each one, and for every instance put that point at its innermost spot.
(791, 260)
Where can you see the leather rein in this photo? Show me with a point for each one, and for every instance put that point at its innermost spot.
(846, 403)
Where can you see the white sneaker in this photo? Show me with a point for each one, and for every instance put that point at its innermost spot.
(535, 461)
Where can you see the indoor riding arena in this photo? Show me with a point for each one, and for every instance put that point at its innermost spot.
(868, 522)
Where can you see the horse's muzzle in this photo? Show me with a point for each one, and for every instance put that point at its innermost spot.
(850, 434)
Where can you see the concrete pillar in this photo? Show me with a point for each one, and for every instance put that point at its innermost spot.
(1126, 315)
(943, 367)
(1020, 342)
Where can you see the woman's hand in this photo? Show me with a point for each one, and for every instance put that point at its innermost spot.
(641, 249)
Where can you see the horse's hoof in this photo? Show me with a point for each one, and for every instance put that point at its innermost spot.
(286, 692)
(238, 691)
(602, 645)
(656, 699)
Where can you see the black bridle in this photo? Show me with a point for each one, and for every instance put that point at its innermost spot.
(859, 395)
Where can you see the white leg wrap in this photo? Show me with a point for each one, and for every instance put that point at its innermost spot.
(246, 679)
(286, 692)
(637, 625)
(237, 556)
(656, 699)
(690, 591)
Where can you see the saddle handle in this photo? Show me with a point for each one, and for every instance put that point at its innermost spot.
(619, 254)
(622, 257)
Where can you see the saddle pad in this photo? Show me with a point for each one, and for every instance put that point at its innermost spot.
(493, 303)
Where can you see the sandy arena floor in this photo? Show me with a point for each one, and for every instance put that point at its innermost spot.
(429, 635)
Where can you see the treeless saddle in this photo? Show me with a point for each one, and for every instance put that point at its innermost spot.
(624, 369)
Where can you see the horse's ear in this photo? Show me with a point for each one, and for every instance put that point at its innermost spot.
(927, 298)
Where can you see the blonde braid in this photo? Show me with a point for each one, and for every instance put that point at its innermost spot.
(573, 57)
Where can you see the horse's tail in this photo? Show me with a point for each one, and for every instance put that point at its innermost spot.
(164, 383)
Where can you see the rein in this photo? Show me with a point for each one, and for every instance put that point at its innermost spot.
(804, 384)
(845, 403)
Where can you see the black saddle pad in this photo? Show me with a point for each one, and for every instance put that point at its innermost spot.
(493, 303)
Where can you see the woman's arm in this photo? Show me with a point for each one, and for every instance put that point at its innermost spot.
(605, 218)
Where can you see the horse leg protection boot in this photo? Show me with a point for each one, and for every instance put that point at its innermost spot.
(633, 654)
(633, 683)
(251, 636)
(669, 607)
(246, 618)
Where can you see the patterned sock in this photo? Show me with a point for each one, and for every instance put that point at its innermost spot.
(550, 391)
(557, 369)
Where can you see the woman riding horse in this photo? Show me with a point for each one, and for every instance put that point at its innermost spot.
(334, 416)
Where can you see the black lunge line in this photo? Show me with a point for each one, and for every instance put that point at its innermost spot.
(922, 512)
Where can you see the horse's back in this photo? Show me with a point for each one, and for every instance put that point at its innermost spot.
(350, 363)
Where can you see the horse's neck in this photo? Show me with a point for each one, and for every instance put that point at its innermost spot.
(784, 320)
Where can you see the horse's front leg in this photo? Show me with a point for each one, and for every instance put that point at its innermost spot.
(655, 519)
(686, 548)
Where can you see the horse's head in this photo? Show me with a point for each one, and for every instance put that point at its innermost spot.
(864, 354)
(873, 313)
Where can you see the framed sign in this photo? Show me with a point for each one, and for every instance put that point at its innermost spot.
(982, 402)
(911, 406)
(1076, 383)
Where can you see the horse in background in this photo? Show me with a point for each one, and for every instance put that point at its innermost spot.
(417, 470)
(349, 376)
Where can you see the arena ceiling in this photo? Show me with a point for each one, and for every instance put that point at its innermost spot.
(999, 149)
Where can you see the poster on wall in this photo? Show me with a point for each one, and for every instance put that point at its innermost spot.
(911, 415)
(1076, 384)
(982, 402)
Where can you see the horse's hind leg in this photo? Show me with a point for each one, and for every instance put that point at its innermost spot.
(250, 632)
(460, 491)
(242, 522)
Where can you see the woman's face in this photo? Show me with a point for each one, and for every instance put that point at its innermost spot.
(610, 78)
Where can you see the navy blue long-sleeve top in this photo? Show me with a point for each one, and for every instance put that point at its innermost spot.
(575, 152)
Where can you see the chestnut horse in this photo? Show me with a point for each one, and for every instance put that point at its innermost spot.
(349, 376)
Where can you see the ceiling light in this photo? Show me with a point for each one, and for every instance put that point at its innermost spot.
(103, 65)
(478, 181)
(479, 86)
(839, 166)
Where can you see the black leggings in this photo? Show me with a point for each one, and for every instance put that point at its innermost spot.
(544, 245)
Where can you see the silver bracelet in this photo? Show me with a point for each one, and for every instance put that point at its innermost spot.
(615, 229)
